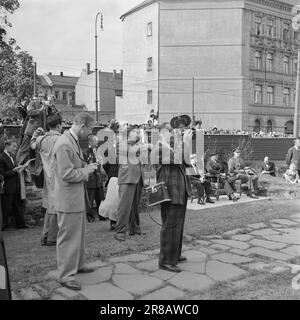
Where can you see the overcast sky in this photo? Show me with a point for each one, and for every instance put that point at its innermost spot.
(60, 33)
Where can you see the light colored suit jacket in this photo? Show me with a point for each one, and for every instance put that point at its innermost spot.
(69, 175)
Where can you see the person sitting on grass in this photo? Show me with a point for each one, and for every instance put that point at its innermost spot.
(291, 174)
(268, 167)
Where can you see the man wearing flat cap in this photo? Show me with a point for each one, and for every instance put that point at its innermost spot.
(238, 171)
(215, 169)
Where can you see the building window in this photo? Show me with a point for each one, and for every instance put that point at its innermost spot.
(285, 32)
(149, 64)
(295, 64)
(258, 94)
(64, 96)
(270, 28)
(270, 95)
(286, 97)
(258, 26)
(269, 127)
(56, 94)
(256, 127)
(258, 60)
(289, 127)
(286, 64)
(270, 61)
(149, 29)
(149, 96)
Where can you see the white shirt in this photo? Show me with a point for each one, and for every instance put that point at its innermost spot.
(10, 157)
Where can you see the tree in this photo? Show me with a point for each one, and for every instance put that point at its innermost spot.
(16, 67)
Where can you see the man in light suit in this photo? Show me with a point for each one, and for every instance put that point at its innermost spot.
(130, 187)
(70, 174)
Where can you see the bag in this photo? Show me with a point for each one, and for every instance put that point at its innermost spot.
(157, 194)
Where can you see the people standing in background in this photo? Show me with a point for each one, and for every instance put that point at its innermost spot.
(70, 172)
(268, 167)
(13, 198)
(44, 143)
(94, 185)
(293, 155)
(130, 187)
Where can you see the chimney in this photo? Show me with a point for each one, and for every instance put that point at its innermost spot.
(88, 68)
(115, 73)
(50, 73)
(61, 74)
(121, 72)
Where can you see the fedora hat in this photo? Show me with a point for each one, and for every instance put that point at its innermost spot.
(183, 120)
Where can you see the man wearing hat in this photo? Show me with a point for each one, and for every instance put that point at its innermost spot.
(238, 171)
(214, 168)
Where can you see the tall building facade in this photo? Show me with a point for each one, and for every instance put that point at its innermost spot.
(110, 87)
(231, 61)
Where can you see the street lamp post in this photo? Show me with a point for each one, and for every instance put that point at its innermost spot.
(96, 61)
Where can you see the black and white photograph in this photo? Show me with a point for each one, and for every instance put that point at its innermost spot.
(149, 152)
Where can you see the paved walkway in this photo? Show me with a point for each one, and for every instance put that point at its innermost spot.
(262, 247)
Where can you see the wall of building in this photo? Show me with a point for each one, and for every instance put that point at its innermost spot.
(278, 113)
(137, 47)
(202, 39)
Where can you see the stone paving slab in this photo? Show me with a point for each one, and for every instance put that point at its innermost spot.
(242, 237)
(232, 243)
(167, 293)
(208, 251)
(100, 275)
(195, 267)
(220, 271)
(286, 238)
(150, 266)
(233, 232)
(122, 268)
(163, 274)
(264, 232)
(191, 282)
(193, 255)
(293, 251)
(284, 222)
(137, 284)
(256, 226)
(231, 258)
(240, 252)
(269, 253)
(105, 291)
(267, 244)
(219, 247)
(66, 292)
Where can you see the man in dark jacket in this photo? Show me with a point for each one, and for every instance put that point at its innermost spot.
(293, 155)
(268, 167)
(215, 169)
(94, 185)
(12, 204)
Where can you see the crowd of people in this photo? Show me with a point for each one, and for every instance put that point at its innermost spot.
(80, 185)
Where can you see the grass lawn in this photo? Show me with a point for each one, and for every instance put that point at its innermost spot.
(29, 262)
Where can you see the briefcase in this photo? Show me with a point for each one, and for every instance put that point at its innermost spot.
(157, 194)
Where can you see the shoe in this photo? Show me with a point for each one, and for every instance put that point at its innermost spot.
(169, 268)
(86, 270)
(182, 259)
(50, 244)
(208, 200)
(112, 225)
(201, 202)
(252, 196)
(120, 237)
(234, 198)
(72, 285)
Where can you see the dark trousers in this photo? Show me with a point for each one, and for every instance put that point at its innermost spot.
(128, 212)
(250, 180)
(227, 187)
(203, 188)
(96, 195)
(171, 234)
(13, 206)
(5, 293)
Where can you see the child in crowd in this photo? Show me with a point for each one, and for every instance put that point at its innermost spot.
(291, 175)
